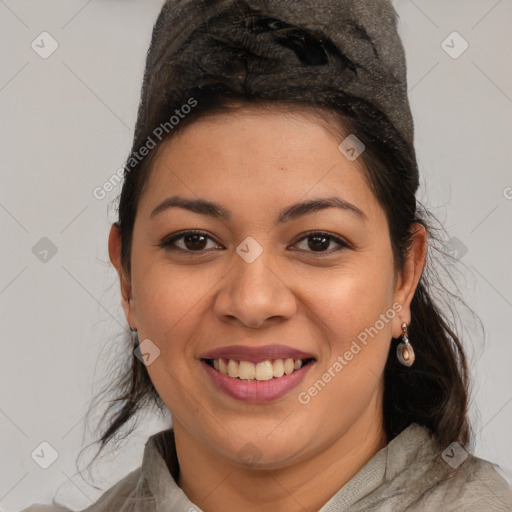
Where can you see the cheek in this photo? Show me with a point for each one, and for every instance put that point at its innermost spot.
(355, 346)
(169, 303)
(169, 308)
(354, 297)
(355, 312)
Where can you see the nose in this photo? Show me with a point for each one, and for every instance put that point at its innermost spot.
(255, 293)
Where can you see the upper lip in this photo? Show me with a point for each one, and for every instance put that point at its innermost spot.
(256, 354)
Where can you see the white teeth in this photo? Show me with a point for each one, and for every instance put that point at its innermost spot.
(246, 370)
(232, 368)
(264, 370)
(223, 367)
(288, 366)
(278, 368)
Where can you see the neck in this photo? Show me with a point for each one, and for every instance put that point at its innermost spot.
(216, 484)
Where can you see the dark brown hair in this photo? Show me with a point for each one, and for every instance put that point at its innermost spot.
(224, 77)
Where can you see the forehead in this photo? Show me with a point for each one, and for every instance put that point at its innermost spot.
(256, 159)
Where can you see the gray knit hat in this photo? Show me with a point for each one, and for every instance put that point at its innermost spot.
(353, 43)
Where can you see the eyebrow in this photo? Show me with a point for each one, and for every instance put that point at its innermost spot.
(291, 212)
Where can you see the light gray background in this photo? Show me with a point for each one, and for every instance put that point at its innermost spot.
(66, 128)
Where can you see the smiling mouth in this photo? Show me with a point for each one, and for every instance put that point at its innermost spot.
(270, 369)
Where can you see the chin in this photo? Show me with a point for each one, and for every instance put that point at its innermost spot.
(266, 460)
(260, 453)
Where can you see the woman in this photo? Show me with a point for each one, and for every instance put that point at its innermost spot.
(271, 257)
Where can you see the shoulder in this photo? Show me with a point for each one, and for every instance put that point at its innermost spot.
(124, 495)
(482, 487)
(473, 486)
(422, 476)
(118, 497)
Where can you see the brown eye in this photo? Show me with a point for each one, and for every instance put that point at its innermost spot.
(319, 242)
(188, 241)
(195, 242)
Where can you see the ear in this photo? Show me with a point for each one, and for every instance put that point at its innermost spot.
(114, 251)
(409, 277)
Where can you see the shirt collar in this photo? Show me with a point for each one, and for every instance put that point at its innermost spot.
(160, 468)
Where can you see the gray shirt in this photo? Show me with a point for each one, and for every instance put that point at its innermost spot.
(409, 474)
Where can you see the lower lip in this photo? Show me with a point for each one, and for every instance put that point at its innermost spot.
(257, 390)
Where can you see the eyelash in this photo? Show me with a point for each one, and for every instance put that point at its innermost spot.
(168, 243)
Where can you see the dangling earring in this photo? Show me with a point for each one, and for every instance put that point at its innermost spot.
(404, 351)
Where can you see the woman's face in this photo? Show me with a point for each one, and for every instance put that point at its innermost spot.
(259, 284)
